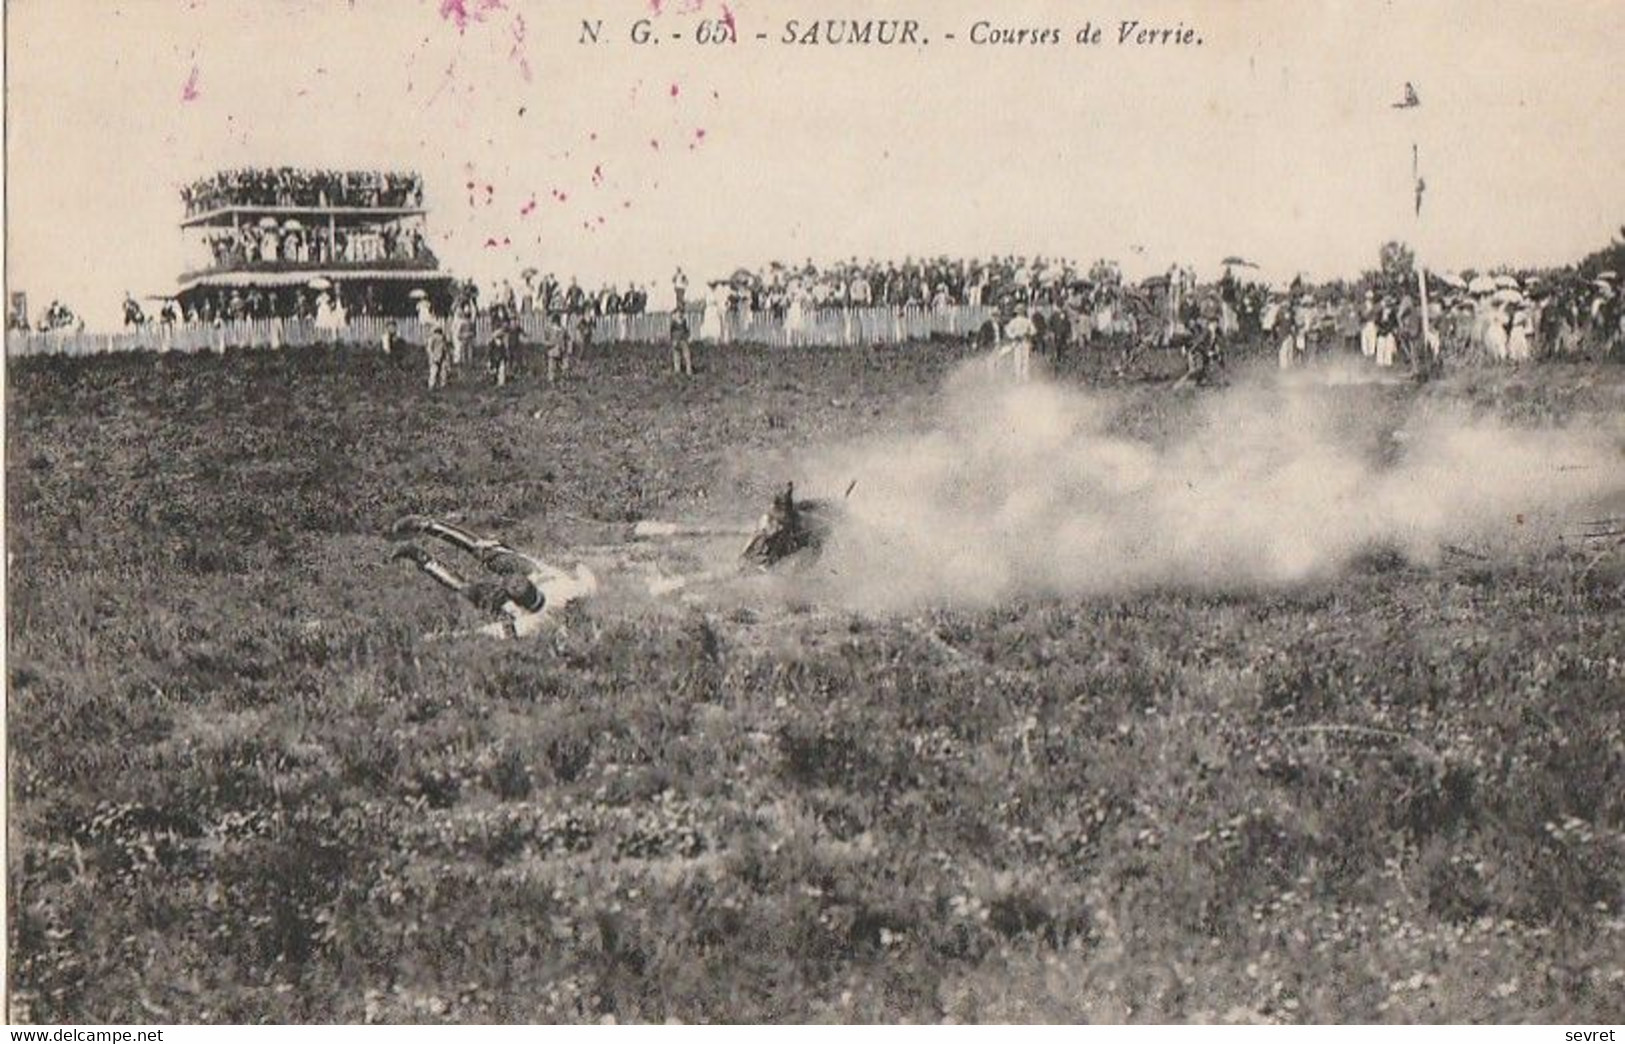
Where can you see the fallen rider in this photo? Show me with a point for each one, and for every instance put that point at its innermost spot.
(527, 592)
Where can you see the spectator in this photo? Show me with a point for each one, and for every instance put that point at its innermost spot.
(287, 186)
(712, 327)
(682, 356)
(463, 314)
(556, 339)
(439, 353)
(1018, 333)
(503, 336)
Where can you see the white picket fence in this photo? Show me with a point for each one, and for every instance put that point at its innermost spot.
(822, 328)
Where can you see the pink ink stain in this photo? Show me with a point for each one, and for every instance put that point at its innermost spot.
(728, 20)
(674, 90)
(189, 91)
(699, 134)
(656, 5)
(597, 174)
(654, 143)
(529, 208)
(461, 12)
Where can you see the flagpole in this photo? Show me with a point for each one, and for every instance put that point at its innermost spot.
(1421, 269)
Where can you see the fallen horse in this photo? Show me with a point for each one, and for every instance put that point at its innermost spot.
(526, 593)
(794, 532)
(790, 537)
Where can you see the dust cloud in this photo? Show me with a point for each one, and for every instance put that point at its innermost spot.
(1041, 490)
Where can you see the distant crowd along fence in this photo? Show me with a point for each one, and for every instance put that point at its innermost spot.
(820, 328)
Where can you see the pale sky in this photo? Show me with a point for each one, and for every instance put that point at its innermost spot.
(1274, 139)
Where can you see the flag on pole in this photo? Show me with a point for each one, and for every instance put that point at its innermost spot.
(1412, 100)
(1416, 176)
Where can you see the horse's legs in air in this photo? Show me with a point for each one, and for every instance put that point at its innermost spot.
(460, 538)
(493, 554)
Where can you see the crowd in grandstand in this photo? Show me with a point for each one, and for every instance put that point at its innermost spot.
(300, 302)
(291, 243)
(297, 187)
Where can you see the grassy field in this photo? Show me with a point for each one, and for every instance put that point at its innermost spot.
(245, 787)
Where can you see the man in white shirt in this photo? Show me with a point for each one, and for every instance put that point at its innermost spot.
(527, 594)
(679, 288)
(1016, 332)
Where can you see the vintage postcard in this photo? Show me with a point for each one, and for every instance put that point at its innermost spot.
(770, 511)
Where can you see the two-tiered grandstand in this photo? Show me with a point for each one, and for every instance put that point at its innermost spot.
(270, 243)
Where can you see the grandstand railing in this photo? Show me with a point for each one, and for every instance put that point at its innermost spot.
(425, 262)
(820, 328)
